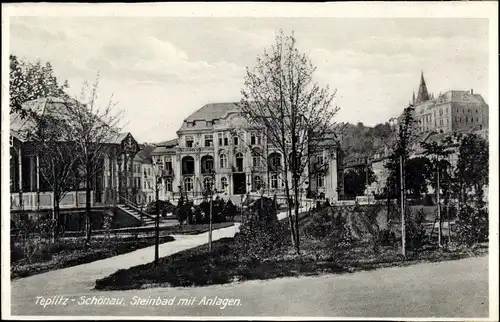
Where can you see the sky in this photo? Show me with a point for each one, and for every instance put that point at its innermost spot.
(162, 69)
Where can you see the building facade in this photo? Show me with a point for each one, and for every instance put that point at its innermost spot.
(449, 112)
(111, 184)
(216, 147)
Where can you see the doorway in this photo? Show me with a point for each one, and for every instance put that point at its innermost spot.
(239, 183)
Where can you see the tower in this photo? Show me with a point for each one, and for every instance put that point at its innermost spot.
(423, 94)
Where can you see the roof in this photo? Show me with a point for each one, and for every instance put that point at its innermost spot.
(41, 106)
(213, 111)
(161, 150)
(144, 155)
(119, 138)
(168, 143)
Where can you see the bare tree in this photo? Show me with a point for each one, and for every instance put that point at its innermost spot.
(281, 99)
(94, 126)
(56, 152)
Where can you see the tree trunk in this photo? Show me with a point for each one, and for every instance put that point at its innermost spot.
(290, 220)
(297, 238)
(55, 217)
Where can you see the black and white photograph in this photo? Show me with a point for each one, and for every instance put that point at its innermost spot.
(250, 161)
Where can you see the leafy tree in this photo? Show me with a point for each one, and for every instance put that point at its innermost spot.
(417, 172)
(29, 81)
(281, 100)
(472, 176)
(355, 180)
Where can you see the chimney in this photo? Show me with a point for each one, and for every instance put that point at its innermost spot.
(472, 91)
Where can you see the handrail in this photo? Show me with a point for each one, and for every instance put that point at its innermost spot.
(134, 206)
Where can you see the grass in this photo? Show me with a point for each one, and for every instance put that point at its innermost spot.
(231, 261)
(166, 230)
(196, 267)
(47, 256)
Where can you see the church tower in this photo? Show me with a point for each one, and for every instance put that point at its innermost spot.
(423, 94)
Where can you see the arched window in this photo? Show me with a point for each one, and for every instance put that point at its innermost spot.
(239, 162)
(257, 183)
(223, 183)
(223, 161)
(207, 183)
(207, 164)
(188, 184)
(188, 165)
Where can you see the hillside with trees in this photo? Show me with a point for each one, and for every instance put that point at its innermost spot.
(361, 139)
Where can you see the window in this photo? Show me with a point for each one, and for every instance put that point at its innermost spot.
(226, 141)
(320, 181)
(321, 160)
(239, 162)
(207, 164)
(223, 183)
(256, 159)
(209, 140)
(168, 167)
(188, 184)
(255, 139)
(466, 120)
(257, 183)
(209, 123)
(207, 183)
(236, 140)
(168, 185)
(220, 135)
(274, 181)
(189, 141)
(223, 161)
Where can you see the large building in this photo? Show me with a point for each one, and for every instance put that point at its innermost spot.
(111, 184)
(216, 147)
(452, 111)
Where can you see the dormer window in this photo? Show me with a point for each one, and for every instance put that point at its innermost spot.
(208, 123)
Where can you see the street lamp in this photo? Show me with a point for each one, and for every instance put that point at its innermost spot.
(212, 194)
(393, 122)
(157, 219)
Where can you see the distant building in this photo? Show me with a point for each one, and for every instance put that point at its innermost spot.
(452, 111)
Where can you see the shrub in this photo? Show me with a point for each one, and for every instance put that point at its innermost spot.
(386, 237)
(165, 207)
(472, 225)
(416, 235)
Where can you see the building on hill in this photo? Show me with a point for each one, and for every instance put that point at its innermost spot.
(216, 145)
(452, 111)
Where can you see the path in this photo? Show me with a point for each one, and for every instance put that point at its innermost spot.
(81, 278)
(446, 289)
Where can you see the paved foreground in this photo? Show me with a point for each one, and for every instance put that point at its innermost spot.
(446, 289)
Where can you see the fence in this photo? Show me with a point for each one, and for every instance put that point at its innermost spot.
(45, 200)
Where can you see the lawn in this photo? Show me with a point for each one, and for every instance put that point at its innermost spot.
(231, 260)
(197, 267)
(45, 256)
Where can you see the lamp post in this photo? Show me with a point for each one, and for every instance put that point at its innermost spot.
(157, 177)
(212, 193)
(393, 122)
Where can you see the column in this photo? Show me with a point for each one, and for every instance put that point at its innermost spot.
(197, 180)
(38, 181)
